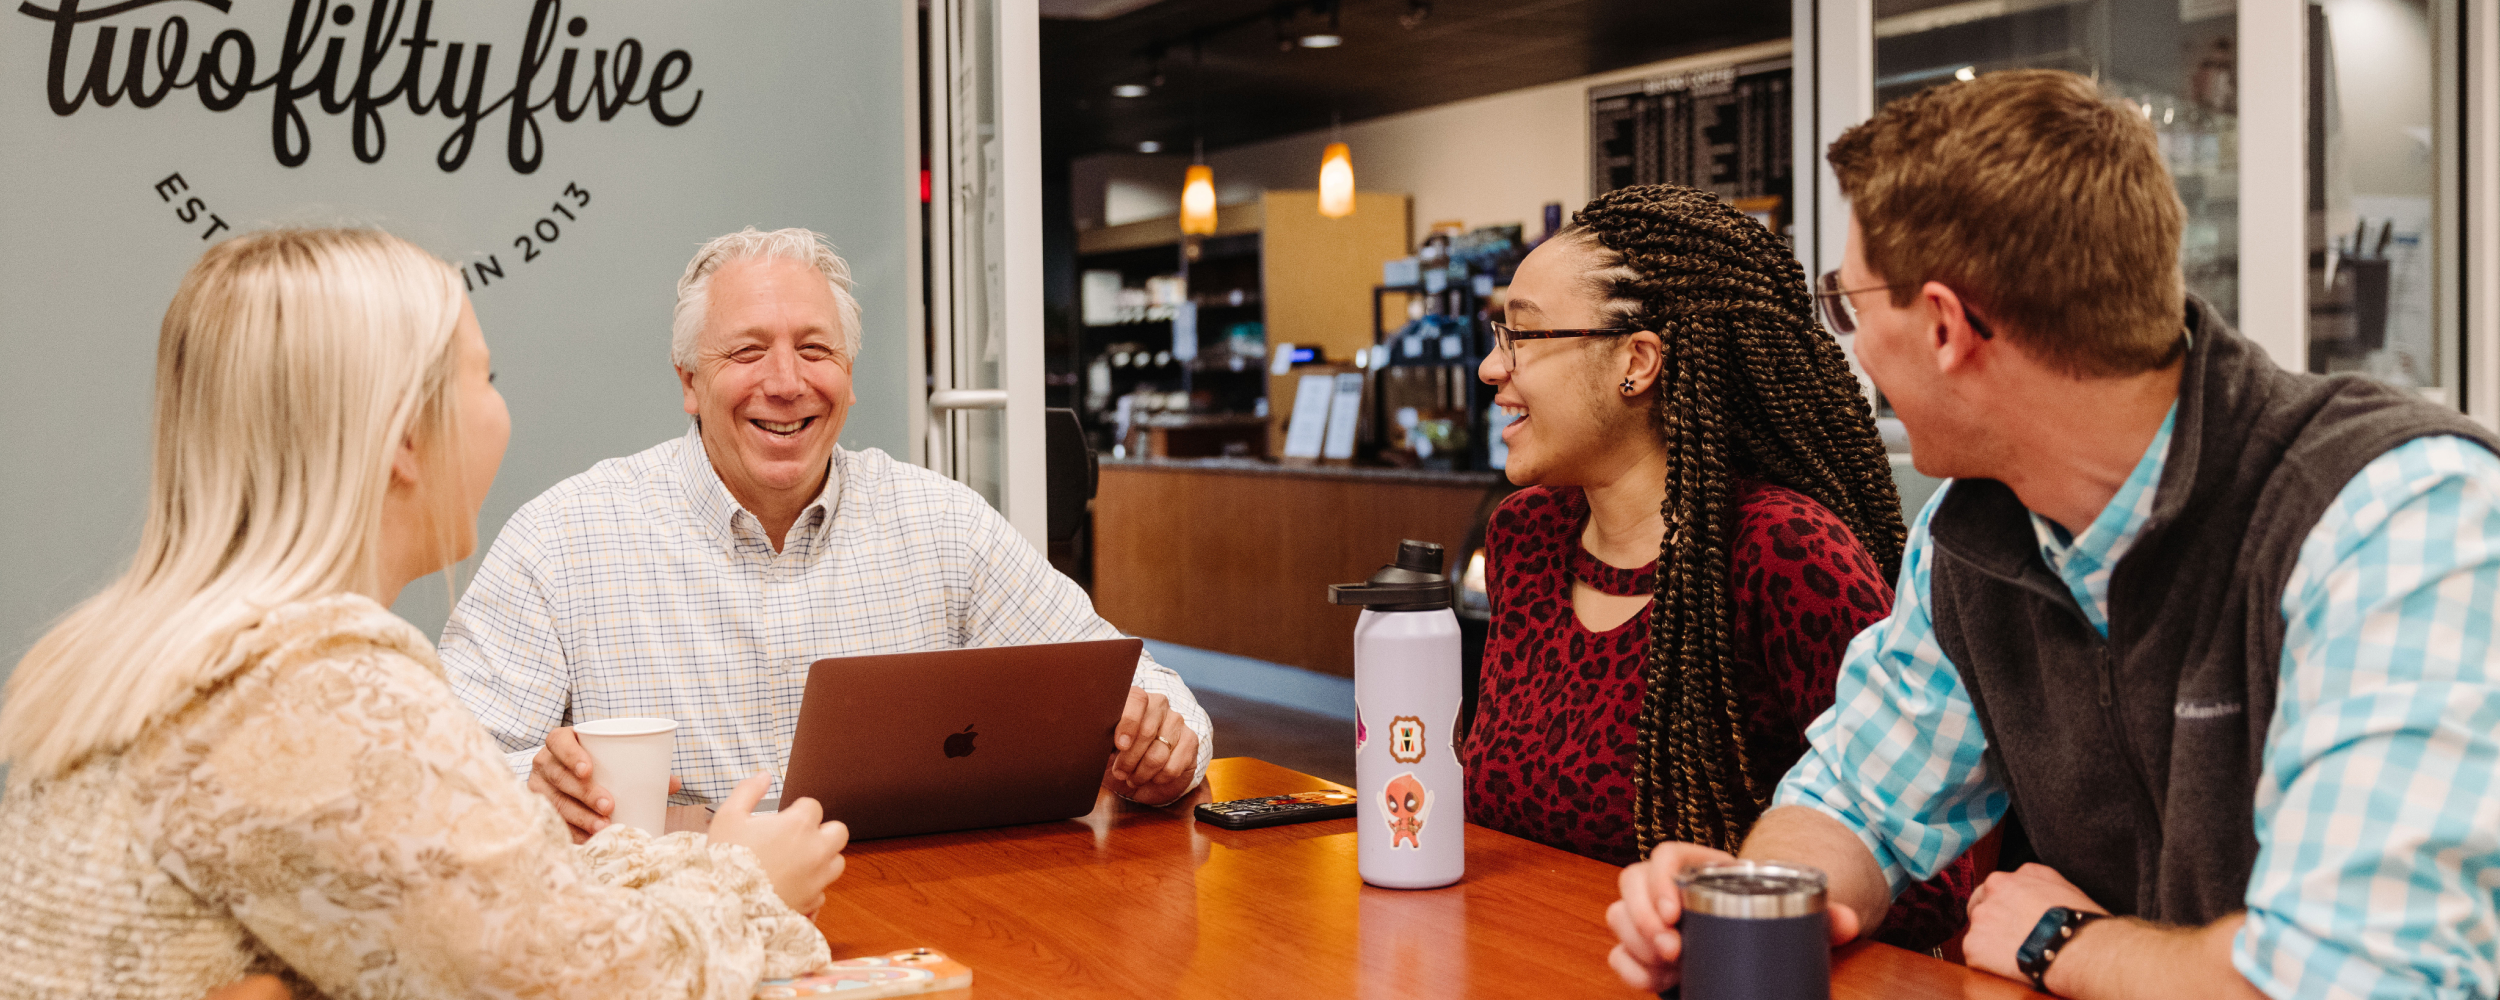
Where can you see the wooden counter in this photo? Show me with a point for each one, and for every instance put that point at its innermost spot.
(1237, 555)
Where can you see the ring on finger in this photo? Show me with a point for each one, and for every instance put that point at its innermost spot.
(1165, 742)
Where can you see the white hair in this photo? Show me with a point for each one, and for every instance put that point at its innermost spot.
(290, 366)
(694, 290)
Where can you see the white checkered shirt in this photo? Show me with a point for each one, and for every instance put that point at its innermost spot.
(642, 588)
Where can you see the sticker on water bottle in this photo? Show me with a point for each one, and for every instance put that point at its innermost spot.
(1362, 733)
(1410, 805)
(1406, 739)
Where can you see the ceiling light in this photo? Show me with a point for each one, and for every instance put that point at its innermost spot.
(1150, 146)
(1336, 182)
(1322, 41)
(1966, 74)
(1129, 90)
(1198, 202)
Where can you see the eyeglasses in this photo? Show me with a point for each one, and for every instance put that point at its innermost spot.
(1507, 338)
(1842, 316)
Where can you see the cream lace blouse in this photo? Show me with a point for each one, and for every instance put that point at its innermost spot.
(329, 812)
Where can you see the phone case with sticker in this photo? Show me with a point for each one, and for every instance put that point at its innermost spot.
(901, 973)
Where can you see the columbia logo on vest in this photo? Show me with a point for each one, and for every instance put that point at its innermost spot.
(2205, 709)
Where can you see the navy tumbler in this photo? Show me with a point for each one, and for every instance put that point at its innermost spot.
(1755, 930)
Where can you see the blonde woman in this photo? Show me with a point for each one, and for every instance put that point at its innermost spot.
(236, 761)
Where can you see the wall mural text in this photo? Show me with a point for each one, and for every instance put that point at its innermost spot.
(450, 83)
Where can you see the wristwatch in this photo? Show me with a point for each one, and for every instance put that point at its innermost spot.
(2049, 937)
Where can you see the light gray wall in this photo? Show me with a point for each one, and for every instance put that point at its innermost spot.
(803, 122)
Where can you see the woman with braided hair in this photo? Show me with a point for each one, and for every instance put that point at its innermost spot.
(1710, 518)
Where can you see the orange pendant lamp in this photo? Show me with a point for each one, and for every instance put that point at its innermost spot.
(1198, 201)
(1336, 182)
(1198, 190)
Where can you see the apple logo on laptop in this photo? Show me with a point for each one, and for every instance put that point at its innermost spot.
(960, 744)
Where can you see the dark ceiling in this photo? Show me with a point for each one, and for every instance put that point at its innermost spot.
(1224, 56)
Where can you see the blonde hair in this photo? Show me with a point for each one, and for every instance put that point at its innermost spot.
(2040, 200)
(806, 246)
(290, 366)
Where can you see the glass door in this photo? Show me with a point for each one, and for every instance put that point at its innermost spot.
(982, 356)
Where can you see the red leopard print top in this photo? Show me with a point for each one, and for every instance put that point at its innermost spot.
(1550, 752)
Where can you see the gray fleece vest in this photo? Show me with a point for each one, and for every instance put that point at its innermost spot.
(2133, 761)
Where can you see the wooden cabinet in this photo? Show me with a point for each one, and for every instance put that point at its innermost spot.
(1319, 272)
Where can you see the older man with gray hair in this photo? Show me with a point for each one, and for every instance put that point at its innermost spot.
(699, 579)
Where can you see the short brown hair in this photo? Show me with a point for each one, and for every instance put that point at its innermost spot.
(2040, 201)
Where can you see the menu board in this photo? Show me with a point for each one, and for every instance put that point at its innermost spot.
(1725, 130)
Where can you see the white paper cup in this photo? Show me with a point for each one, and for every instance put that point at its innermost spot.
(629, 758)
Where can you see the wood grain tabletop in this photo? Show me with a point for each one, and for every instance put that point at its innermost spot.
(1129, 901)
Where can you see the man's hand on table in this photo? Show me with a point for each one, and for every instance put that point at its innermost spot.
(561, 774)
(1649, 949)
(2007, 906)
(1157, 752)
(2124, 957)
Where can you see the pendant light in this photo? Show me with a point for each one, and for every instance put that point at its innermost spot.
(1198, 191)
(1336, 182)
(1336, 176)
(1198, 201)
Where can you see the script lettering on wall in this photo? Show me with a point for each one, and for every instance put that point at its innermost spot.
(565, 156)
(396, 59)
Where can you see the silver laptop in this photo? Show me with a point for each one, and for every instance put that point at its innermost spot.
(959, 739)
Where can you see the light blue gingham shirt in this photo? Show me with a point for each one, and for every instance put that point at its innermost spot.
(2377, 822)
(642, 588)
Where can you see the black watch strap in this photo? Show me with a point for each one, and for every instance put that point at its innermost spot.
(2048, 938)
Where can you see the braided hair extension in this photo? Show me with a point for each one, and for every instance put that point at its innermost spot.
(1751, 386)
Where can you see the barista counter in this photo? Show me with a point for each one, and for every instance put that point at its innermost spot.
(1236, 555)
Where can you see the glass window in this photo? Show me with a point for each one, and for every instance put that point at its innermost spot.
(2174, 58)
(2375, 286)
(2381, 101)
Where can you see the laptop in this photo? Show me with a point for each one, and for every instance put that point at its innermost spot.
(959, 739)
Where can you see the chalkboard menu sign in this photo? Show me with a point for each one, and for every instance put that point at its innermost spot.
(1725, 130)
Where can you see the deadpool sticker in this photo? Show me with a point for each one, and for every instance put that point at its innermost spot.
(1410, 806)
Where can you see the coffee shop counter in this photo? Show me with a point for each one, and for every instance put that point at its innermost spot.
(1236, 554)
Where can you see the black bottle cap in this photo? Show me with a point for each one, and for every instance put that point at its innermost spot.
(1413, 583)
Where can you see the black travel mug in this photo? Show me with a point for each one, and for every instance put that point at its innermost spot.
(1755, 930)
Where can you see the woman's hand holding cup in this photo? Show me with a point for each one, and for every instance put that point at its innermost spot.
(799, 851)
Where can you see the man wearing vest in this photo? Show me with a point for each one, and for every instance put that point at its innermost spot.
(2216, 637)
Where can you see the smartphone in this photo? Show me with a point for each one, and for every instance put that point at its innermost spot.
(1278, 810)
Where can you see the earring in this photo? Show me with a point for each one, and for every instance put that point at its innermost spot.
(1627, 387)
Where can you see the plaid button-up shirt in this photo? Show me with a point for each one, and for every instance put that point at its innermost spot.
(2378, 820)
(642, 588)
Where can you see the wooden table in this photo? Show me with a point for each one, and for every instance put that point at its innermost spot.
(1136, 902)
